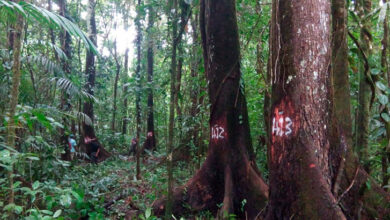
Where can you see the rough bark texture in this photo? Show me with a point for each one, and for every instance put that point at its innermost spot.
(17, 36)
(228, 175)
(90, 72)
(300, 178)
(150, 142)
(169, 202)
(385, 67)
(363, 115)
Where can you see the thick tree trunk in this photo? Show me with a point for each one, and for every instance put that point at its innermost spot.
(90, 72)
(150, 142)
(298, 154)
(228, 175)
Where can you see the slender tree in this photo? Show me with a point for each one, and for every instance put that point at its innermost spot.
(138, 85)
(386, 75)
(117, 72)
(125, 86)
(229, 175)
(173, 20)
(17, 36)
(150, 142)
(363, 8)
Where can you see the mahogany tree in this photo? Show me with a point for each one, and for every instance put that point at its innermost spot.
(229, 175)
(313, 171)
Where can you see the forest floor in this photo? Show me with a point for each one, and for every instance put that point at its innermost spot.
(112, 184)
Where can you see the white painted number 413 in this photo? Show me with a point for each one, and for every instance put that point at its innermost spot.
(282, 125)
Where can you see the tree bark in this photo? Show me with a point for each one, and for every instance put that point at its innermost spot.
(90, 72)
(228, 175)
(65, 106)
(385, 153)
(298, 154)
(364, 108)
(170, 200)
(17, 36)
(150, 142)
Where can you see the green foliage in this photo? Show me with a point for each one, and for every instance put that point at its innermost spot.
(43, 16)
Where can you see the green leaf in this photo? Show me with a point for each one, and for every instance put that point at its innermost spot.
(35, 185)
(381, 86)
(33, 158)
(148, 212)
(385, 116)
(57, 213)
(383, 99)
(368, 184)
(375, 71)
(47, 212)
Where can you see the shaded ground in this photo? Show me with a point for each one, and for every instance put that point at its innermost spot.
(113, 183)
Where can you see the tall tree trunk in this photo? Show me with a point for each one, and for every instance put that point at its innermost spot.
(349, 180)
(341, 111)
(17, 36)
(179, 73)
(65, 102)
(90, 72)
(195, 87)
(150, 142)
(173, 18)
(90, 69)
(228, 175)
(138, 87)
(298, 154)
(364, 108)
(125, 104)
(385, 154)
(117, 71)
(307, 178)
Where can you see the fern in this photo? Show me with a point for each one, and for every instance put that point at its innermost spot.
(67, 86)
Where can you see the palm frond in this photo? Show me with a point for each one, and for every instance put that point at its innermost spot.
(45, 63)
(45, 17)
(69, 87)
(81, 116)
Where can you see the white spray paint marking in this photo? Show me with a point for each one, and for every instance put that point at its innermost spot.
(217, 132)
(282, 126)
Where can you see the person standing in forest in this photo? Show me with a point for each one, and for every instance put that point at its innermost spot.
(133, 146)
(72, 144)
(94, 148)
